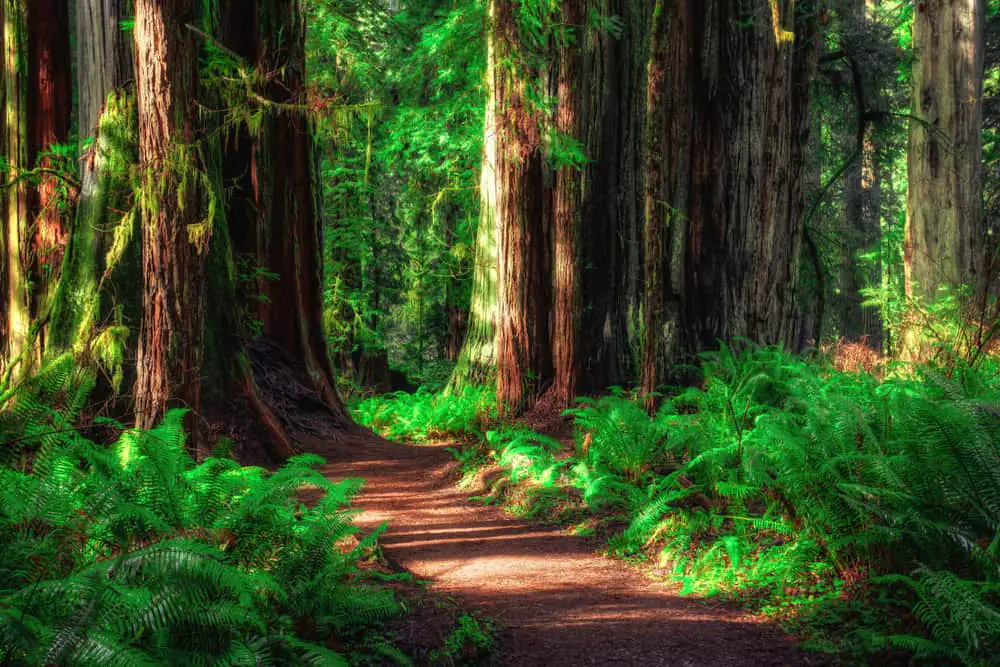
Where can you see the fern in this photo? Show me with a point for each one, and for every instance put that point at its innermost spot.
(133, 555)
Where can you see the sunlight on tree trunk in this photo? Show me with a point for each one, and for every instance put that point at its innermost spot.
(174, 237)
(102, 242)
(477, 360)
(567, 297)
(524, 363)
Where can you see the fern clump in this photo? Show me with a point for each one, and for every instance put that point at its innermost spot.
(134, 555)
(424, 416)
(826, 497)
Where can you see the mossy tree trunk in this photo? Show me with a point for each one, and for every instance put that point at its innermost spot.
(524, 360)
(174, 233)
(725, 197)
(107, 122)
(477, 359)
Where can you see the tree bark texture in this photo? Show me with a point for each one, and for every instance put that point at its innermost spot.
(524, 364)
(944, 221)
(173, 247)
(725, 196)
(613, 90)
(17, 196)
(107, 116)
(567, 297)
(662, 223)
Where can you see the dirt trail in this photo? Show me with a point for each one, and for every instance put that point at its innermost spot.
(559, 602)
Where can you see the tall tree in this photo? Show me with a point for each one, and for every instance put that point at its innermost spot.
(107, 122)
(524, 360)
(614, 111)
(17, 211)
(729, 117)
(477, 359)
(174, 228)
(944, 220)
(567, 299)
(274, 214)
(37, 112)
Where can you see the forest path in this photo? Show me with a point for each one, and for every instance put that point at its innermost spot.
(558, 601)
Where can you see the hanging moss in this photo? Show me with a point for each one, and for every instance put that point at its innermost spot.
(91, 316)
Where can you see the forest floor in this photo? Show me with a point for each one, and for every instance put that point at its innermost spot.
(556, 599)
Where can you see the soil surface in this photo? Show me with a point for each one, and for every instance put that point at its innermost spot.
(558, 601)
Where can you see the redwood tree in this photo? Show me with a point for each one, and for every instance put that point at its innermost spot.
(729, 123)
(174, 229)
(37, 114)
(567, 299)
(524, 361)
(613, 89)
(273, 220)
(944, 220)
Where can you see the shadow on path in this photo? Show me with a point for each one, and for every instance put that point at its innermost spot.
(559, 602)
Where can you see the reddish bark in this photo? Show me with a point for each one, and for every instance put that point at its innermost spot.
(726, 200)
(567, 296)
(50, 93)
(274, 213)
(173, 305)
(524, 363)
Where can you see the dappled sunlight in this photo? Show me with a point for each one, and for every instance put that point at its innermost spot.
(551, 591)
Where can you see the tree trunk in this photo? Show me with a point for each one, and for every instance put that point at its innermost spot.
(944, 222)
(477, 360)
(18, 355)
(662, 222)
(614, 94)
(567, 299)
(274, 226)
(735, 105)
(523, 279)
(50, 107)
(174, 234)
(107, 115)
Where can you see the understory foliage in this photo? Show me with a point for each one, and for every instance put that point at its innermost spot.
(131, 554)
(843, 503)
(425, 416)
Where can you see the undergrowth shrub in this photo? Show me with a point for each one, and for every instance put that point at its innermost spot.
(134, 555)
(826, 497)
(424, 416)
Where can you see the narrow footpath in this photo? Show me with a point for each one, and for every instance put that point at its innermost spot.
(559, 602)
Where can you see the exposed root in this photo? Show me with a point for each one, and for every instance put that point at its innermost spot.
(292, 401)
